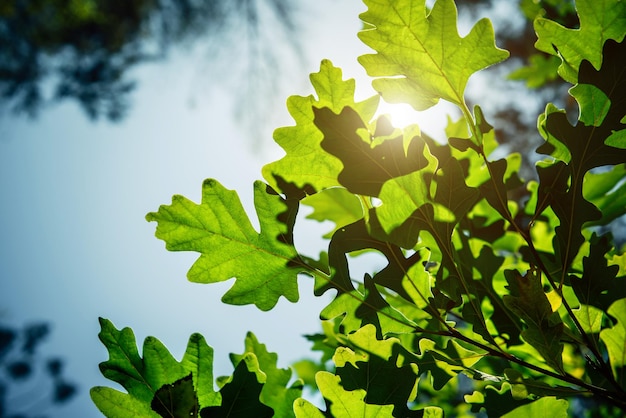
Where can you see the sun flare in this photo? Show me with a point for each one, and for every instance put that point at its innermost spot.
(432, 121)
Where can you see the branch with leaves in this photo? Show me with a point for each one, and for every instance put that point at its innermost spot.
(485, 303)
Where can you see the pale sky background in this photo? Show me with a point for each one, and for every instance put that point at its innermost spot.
(75, 244)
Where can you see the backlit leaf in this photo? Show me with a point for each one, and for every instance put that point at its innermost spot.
(598, 285)
(348, 404)
(615, 339)
(420, 58)
(219, 229)
(275, 393)
(374, 367)
(594, 104)
(115, 404)
(547, 407)
(144, 377)
(607, 192)
(335, 204)
(599, 20)
(306, 164)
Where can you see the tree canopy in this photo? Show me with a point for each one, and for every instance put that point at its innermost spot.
(497, 295)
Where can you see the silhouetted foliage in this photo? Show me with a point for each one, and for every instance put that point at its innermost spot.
(20, 363)
(51, 50)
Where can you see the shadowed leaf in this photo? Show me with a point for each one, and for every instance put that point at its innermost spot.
(240, 396)
(544, 327)
(366, 165)
(275, 393)
(305, 162)
(176, 400)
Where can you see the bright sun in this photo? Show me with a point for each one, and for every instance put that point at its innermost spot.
(432, 121)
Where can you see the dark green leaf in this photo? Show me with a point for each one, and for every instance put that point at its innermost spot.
(366, 164)
(306, 163)
(144, 377)
(544, 327)
(176, 400)
(240, 396)
(343, 404)
(275, 393)
(384, 382)
(598, 285)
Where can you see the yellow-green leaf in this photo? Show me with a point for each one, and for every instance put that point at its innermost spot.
(599, 20)
(421, 57)
(306, 163)
(219, 229)
(615, 338)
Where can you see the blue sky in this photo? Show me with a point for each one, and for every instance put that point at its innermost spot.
(75, 243)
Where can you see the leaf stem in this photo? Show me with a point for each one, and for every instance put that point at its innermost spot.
(605, 369)
(613, 397)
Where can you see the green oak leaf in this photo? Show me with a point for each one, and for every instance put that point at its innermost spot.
(350, 238)
(611, 81)
(452, 192)
(418, 283)
(562, 185)
(615, 339)
(359, 309)
(541, 70)
(240, 395)
(486, 265)
(305, 409)
(600, 20)
(366, 341)
(594, 104)
(568, 204)
(443, 364)
(374, 367)
(552, 146)
(496, 402)
(115, 404)
(607, 192)
(335, 204)
(420, 57)
(275, 393)
(144, 377)
(177, 400)
(544, 327)
(306, 164)
(502, 178)
(369, 163)
(384, 382)
(367, 306)
(548, 406)
(401, 196)
(343, 403)
(598, 285)
(219, 229)
(590, 318)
